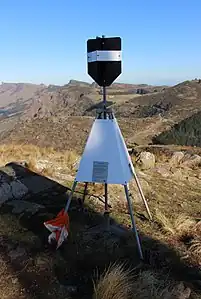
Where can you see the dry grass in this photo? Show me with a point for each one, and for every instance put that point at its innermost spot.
(195, 244)
(12, 229)
(195, 247)
(9, 283)
(180, 226)
(165, 223)
(185, 229)
(115, 283)
(184, 223)
(46, 161)
(148, 285)
(118, 283)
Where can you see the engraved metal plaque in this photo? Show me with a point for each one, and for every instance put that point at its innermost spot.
(100, 172)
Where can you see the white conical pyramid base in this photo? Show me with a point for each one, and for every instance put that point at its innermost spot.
(105, 158)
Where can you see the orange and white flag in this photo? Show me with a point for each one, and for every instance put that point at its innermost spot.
(59, 228)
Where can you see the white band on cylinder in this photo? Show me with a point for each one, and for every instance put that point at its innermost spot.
(104, 56)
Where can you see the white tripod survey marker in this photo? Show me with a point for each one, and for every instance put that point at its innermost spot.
(105, 158)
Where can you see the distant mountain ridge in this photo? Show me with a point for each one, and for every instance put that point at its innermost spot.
(15, 98)
(73, 107)
(22, 101)
(77, 97)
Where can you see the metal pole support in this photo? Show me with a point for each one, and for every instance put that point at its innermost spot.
(85, 192)
(104, 102)
(140, 191)
(70, 197)
(106, 213)
(133, 221)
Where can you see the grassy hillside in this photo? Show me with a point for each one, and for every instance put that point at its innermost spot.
(97, 264)
(187, 132)
(176, 103)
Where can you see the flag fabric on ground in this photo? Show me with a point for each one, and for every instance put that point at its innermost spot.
(59, 228)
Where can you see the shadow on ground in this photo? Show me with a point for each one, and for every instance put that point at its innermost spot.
(39, 271)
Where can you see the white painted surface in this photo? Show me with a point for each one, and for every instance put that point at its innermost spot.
(104, 56)
(105, 144)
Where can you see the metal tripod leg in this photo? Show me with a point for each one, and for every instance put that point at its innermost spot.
(70, 196)
(141, 192)
(106, 197)
(85, 192)
(106, 214)
(133, 221)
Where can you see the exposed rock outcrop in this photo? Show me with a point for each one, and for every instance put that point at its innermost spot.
(176, 158)
(22, 190)
(146, 160)
(192, 161)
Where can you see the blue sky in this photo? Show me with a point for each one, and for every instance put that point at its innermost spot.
(44, 41)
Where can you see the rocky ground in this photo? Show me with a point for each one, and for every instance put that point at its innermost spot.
(30, 268)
